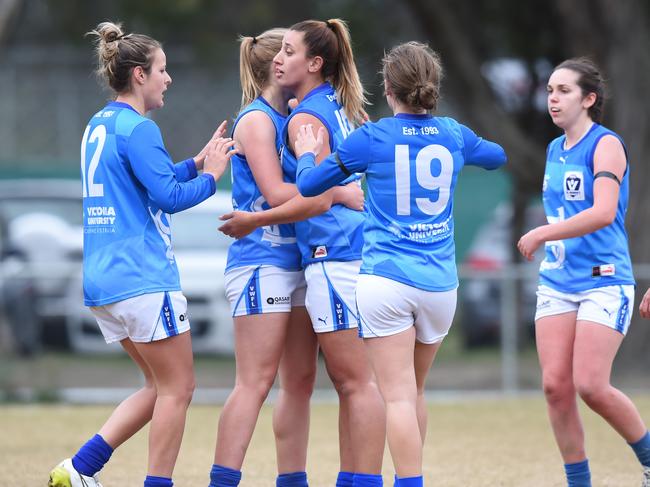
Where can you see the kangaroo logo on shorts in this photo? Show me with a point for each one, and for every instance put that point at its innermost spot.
(573, 186)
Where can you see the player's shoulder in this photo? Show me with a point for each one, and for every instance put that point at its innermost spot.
(128, 120)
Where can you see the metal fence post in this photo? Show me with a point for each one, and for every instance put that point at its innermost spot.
(509, 359)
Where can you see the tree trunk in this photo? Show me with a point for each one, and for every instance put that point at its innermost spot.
(617, 34)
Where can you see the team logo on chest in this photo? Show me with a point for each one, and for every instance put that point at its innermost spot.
(574, 189)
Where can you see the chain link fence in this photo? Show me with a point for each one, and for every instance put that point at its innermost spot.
(48, 95)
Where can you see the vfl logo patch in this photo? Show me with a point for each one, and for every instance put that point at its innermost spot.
(574, 186)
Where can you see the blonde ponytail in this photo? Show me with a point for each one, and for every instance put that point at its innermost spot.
(255, 59)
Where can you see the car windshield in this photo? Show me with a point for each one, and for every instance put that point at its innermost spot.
(68, 209)
(198, 231)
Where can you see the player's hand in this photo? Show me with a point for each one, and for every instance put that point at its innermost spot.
(350, 195)
(306, 141)
(200, 157)
(238, 223)
(644, 307)
(218, 155)
(529, 243)
(364, 116)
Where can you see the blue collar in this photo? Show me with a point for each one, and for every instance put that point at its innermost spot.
(319, 89)
(414, 116)
(121, 104)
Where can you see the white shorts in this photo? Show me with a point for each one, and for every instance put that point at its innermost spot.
(145, 318)
(610, 305)
(253, 290)
(388, 307)
(330, 299)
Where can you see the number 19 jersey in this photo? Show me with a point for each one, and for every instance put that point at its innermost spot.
(411, 163)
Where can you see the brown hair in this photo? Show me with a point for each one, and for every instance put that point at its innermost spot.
(331, 41)
(119, 53)
(590, 80)
(255, 58)
(413, 73)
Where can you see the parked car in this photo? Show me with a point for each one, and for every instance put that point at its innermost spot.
(43, 222)
(19, 327)
(201, 253)
(479, 297)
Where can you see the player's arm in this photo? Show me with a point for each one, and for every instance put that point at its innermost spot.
(351, 157)
(255, 139)
(154, 168)
(644, 307)
(239, 223)
(481, 152)
(610, 164)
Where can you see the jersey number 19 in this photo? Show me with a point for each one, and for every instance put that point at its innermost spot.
(424, 177)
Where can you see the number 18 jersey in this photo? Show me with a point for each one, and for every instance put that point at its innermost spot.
(336, 234)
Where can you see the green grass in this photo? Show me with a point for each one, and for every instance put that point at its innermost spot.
(481, 442)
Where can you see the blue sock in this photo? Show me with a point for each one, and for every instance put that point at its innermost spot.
(367, 480)
(395, 481)
(642, 449)
(152, 481)
(92, 457)
(345, 479)
(410, 481)
(224, 476)
(578, 474)
(293, 479)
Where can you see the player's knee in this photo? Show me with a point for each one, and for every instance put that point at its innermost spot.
(299, 384)
(255, 390)
(591, 391)
(182, 392)
(347, 383)
(557, 389)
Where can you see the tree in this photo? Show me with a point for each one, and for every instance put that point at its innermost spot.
(615, 33)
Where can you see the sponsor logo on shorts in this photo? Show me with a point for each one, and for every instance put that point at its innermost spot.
(609, 313)
(319, 252)
(182, 317)
(278, 300)
(340, 313)
(544, 304)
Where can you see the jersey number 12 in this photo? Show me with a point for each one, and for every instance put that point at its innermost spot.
(90, 187)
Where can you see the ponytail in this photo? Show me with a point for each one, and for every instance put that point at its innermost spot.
(331, 41)
(255, 59)
(346, 79)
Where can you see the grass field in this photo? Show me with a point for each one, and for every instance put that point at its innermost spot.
(475, 442)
